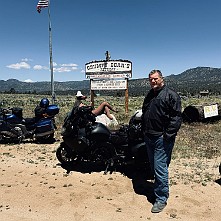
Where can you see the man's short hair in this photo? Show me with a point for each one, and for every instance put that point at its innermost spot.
(156, 71)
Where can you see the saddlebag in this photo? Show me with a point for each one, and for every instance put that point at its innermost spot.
(44, 126)
(52, 110)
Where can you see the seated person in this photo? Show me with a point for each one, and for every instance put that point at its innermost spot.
(103, 108)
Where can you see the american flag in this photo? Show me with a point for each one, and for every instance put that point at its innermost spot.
(42, 4)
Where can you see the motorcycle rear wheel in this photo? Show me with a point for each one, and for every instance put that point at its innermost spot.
(64, 155)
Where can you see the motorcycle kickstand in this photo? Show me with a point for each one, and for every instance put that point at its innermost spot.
(110, 163)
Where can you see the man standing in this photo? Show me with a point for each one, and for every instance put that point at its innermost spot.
(161, 120)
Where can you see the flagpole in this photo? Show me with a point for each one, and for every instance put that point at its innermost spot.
(50, 51)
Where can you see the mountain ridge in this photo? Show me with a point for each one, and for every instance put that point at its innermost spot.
(192, 80)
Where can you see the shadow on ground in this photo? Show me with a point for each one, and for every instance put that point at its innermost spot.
(218, 181)
(140, 175)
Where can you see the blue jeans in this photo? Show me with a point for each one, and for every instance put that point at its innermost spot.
(159, 152)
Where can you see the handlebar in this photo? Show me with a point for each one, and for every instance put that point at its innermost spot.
(85, 109)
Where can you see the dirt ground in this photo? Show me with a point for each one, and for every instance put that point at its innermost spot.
(33, 186)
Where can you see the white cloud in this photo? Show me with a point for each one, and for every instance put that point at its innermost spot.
(26, 59)
(40, 67)
(69, 65)
(66, 68)
(56, 67)
(62, 69)
(21, 65)
(28, 81)
(74, 68)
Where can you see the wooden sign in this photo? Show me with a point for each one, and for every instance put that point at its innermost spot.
(108, 84)
(99, 69)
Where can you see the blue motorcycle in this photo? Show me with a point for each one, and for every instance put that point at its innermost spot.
(15, 129)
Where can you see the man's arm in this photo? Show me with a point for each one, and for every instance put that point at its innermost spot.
(175, 117)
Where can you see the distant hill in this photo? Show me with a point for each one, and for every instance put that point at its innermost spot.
(190, 81)
(197, 79)
(43, 86)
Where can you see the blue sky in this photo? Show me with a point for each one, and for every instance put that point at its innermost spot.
(170, 35)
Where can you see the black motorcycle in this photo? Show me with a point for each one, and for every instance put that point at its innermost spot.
(15, 129)
(85, 140)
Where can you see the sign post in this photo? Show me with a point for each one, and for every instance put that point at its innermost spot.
(92, 94)
(109, 75)
(126, 98)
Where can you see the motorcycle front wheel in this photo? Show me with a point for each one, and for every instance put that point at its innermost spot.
(65, 155)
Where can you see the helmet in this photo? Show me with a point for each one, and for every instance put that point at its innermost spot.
(44, 102)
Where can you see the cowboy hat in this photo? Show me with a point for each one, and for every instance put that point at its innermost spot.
(79, 94)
